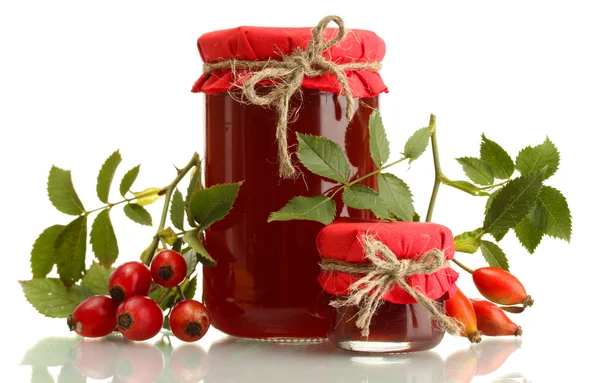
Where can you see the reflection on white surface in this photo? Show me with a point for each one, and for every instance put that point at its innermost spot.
(238, 360)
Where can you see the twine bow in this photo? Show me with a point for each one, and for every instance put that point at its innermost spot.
(286, 77)
(385, 271)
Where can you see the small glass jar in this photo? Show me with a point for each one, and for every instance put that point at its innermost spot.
(264, 284)
(399, 324)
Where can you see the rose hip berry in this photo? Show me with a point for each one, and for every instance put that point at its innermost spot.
(492, 321)
(94, 317)
(128, 280)
(139, 318)
(460, 308)
(189, 320)
(168, 268)
(500, 286)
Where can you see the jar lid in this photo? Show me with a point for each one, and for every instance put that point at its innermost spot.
(342, 241)
(268, 43)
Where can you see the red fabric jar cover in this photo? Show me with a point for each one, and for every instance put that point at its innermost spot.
(342, 240)
(264, 43)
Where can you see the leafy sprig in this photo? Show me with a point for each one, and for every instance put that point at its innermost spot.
(523, 203)
(65, 245)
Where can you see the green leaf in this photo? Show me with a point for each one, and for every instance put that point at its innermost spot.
(138, 214)
(323, 157)
(416, 144)
(193, 187)
(168, 235)
(499, 234)
(70, 251)
(529, 236)
(103, 239)
(318, 208)
(191, 260)
(163, 296)
(468, 242)
(62, 193)
(363, 197)
(477, 170)
(396, 196)
(494, 255)
(190, 288)
(552, 214)
(497, 158)
(491, 199)
(192, 239)
(128, 180)
(42, 253)
(531, 160)
(177, 245)
(467, 187)
(148, 196)
(213, 204)
(50, 351)
(513, 202)
(51, 298)
(177, 210)
(378, 142)
(106, 175)
(96, 279)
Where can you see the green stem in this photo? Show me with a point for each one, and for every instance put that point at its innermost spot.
(438, 169)
(462, 266)
(126, 200)
(195, 161)
(498, 184)
(180, 291)
(376, 171)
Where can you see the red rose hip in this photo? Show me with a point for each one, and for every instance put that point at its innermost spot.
(94, 317)
(129, 280)
(189, 320)
(500, 286)
(168, 268)
(460, 308)
(492, 321)
(139, 318)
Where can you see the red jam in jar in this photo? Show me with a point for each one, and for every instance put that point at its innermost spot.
(399, 324)
(265, 282)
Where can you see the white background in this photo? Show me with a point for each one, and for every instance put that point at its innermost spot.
(81, 79)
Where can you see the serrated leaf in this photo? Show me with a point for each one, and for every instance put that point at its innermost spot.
(148, 196)
(128, 180)
(363, 197)
(96, 279)
(193, 187)
(138, 214)
(529, 236)
(192, 239)
(62, 193)
(213, 204)
(379, 145)
(499, 234)
(103, 239)
(551, 214)
(468, 242)
(531, 160)
(70, 251)
(177, 245)
(318, 208)
(513, 202)
(467, 187)
(50, 351)
(42, 254)
(191, 260)
(177, 210)
(497, 158)
(396, 196)
(416, 144)
(494, 255)
(490, 199)
(190, 288)
(51, 298)
(477, 170)
(106, 175)
(323, 157)
(168, 235)
(164, 297)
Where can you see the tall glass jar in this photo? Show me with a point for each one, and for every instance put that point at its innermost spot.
(265, 282)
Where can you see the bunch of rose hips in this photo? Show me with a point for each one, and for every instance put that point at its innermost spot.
(130, 311)
(484, 317)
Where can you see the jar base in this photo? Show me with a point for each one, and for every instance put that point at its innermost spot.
(385, 347)
(285, 340)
